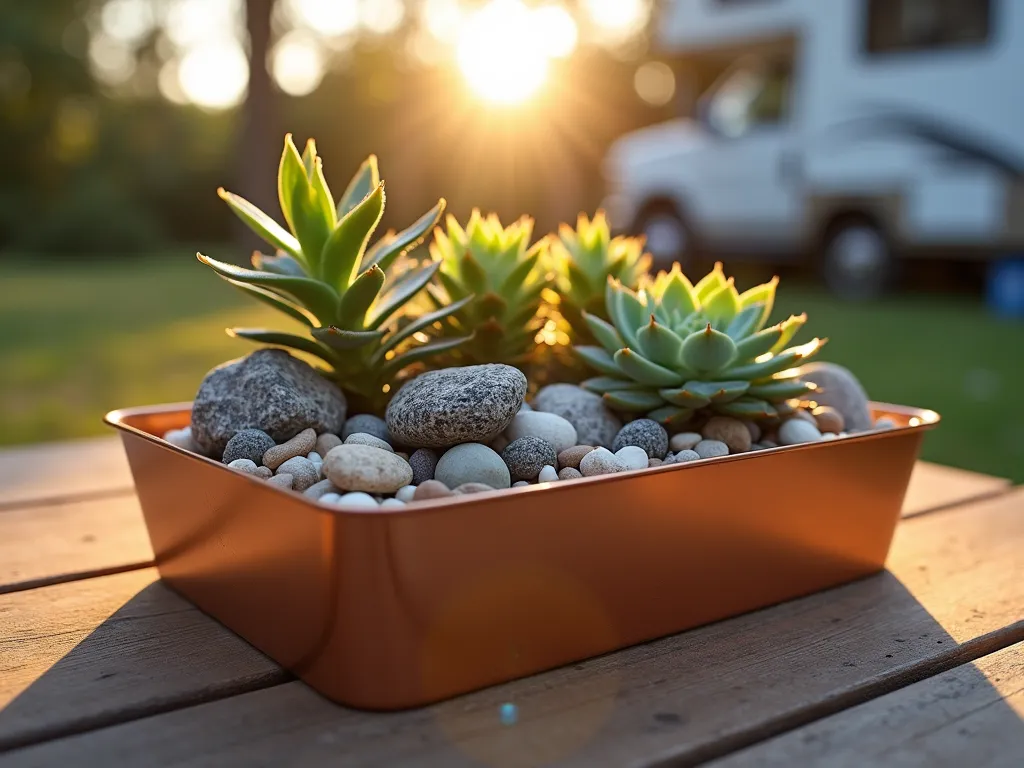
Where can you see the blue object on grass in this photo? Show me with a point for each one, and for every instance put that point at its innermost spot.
(1005, 289)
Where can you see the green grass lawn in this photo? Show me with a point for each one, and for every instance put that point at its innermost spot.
(77, 340)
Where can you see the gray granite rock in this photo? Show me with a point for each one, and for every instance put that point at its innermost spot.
(368, 424)
(456, 405)
(708, 449)
(472, 463)
(527, 456)
(268, 390)
(595, 424)
(304, 473)
(423, 462)
(248, 444)
(643, 433)
(840, 389)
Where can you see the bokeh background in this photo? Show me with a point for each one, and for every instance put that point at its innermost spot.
(119, 119)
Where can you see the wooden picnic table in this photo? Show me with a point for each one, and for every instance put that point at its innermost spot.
(102, 665)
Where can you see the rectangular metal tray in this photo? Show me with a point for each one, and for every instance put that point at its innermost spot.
(393, 609)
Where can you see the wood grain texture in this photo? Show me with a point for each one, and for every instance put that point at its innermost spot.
(933, 487)
(89, 653)
(954, 593)
(42, 545)
(971, 715)
(81, 468)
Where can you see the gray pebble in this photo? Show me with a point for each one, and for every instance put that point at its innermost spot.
(405, 493)
(246, 466)
(754, 429)
(182, 438)
(839, 388)
(423, 462)
(601, 461)
(710, 449)
(643, 433)
(559, 432)
(326, 441)
(525, 407)
(472, 463)
(248, 444)
(304, 473)
(264, 473)
(795, 431)
(526, 456)
(594, 422)
(367, 424)
(281, 481)
(300, 445)
(569, 473)
(365, 438)
(520, 484)
(330, 498)
(395, 503)
(315, 457)
(319, 489)
(885, 423)
(358, 499)
(652, 463)
(684, 456)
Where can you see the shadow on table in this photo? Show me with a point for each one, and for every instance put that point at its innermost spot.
(695, 696)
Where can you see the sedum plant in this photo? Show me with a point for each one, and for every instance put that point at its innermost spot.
(352, 298)
(674, 349)
(496, 277)
(585, 258)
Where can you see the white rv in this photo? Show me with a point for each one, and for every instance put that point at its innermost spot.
(853, 132)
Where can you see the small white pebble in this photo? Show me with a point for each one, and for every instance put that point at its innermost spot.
(632, 456)
(181, 438)
(358, 499)
(520, 484)
(315, 457)
(330, 498)
(392, 504)
(405, 493)
(549, 475)
(246, 466)
(829, 436)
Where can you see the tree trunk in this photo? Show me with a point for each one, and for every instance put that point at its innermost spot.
(259, 148)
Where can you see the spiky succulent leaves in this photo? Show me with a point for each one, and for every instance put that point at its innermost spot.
(584, 258)
(504, 275)
(351, 300)
(674, 349)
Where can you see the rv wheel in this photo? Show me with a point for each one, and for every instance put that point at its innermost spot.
(857, 262)
(668, 237)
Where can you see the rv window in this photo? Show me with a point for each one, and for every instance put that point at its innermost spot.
(755, 93)
(895, 26)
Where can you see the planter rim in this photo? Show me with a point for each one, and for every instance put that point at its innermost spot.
(917, 420)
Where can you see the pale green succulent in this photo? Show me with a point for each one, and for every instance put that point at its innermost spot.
(497, 278)
(584, 259)
(674, 350)
(353, 298)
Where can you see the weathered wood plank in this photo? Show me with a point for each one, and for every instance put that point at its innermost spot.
(42, 545)
(41, 473)
(90, 653)
(972, 715)
(933, 486)
(955, 592)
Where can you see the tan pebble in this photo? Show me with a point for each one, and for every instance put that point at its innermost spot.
(732, 432)
(364, 438)
(326, 441)
(356, 467)
(402, 455)
(431, 489)
(803, 413)
(317, 490)
(828, 419)
(571, 457)
(654, 463)
(466, 488)
(264, 472)
(300, 445)
(684, 441)
(499, 444)
(281, 481)
(569, 473)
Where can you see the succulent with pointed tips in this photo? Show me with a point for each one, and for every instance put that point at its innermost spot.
(674, 349)
(353, 298)
(497, 278)
(585, 258)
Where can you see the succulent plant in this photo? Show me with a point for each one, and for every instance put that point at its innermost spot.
(674, 349)
(585, 258)
(353, 298)
(497, 278)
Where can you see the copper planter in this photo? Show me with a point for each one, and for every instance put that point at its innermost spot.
(392, 609)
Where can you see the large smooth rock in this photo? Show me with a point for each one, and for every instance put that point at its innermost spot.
(456, 405)
(472, 463)
(268, 390)
(595, 424)
(841, 390)
(558, 432)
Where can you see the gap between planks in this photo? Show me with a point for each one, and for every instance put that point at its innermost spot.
(955, 592)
